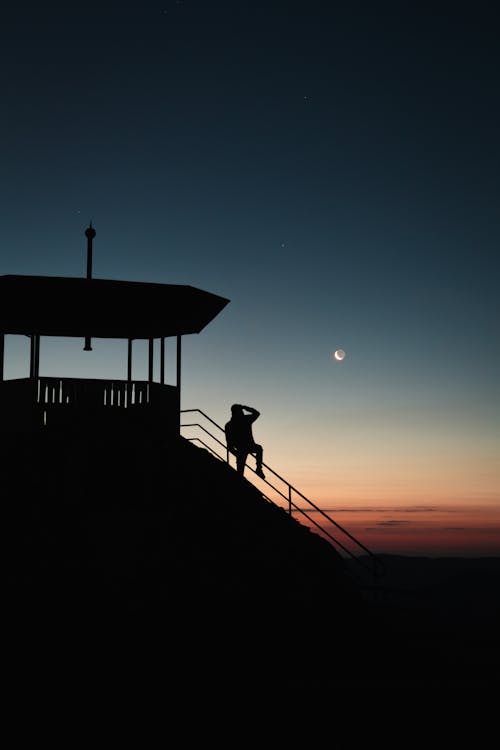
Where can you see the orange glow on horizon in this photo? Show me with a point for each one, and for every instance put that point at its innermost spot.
(419, 530)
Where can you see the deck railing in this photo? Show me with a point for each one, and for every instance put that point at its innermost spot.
(32, 402)
(109, 393)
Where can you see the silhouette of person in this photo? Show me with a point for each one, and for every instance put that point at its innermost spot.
(239, 437)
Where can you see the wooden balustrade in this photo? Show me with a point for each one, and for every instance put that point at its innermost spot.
(44, 401)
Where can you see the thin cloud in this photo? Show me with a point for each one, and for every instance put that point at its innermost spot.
(411, 509)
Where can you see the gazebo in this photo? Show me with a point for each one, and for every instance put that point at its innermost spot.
(88, 308)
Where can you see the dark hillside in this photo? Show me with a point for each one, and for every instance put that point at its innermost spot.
(440, 617)
(130, 556)
(123, 538)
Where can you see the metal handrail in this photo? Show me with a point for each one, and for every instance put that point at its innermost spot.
(377, 566)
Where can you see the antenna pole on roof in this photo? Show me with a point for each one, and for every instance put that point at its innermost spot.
(90, 234)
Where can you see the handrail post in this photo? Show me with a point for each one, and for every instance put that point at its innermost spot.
(290, 499)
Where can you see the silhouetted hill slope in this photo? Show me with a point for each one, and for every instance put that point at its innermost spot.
(123, 537)
(135, 556)
(442, 615)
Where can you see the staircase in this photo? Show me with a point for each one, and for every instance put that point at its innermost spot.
(366, 566)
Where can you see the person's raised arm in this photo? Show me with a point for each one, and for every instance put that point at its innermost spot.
(254, 413)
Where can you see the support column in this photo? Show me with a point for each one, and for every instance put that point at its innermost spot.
(129, 372)
(36, 368)
(178, 363)
(178, 381)
(2, 351)
(32, 356)
(150, 360)
(162, 360)
(129, 361)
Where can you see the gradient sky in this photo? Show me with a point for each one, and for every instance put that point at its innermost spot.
(334, 172)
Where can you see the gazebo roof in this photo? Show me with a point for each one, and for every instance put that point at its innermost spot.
(103, 308)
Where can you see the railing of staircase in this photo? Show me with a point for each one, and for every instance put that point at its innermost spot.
(375, 567)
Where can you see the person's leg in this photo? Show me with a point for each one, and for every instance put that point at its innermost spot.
(241, 459)
(257, 451)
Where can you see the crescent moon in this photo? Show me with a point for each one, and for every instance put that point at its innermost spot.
(339, 355)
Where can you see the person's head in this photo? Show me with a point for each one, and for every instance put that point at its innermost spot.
(236, 410)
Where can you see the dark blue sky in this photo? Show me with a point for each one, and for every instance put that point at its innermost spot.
(333, 171)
